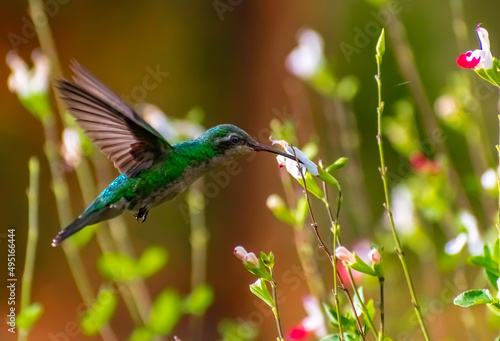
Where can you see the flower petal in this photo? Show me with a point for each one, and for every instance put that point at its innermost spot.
(465, 60)
(298, 332)
(483, 38)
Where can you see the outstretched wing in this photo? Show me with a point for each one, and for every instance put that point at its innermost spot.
(117, 130)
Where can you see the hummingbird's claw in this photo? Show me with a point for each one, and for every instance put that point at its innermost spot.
(142, 215)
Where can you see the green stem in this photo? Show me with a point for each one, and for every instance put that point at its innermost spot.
(363, 305)
(322, 246)
(33, 192)
(382, 310)
(383, 171)
(275, 308)
(336, 237)
(59, 184)
(303, 246)
(199, 240)
(119, 234)
(88, 188)
(61, 193)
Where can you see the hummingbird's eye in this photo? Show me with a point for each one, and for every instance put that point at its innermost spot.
(234, 139)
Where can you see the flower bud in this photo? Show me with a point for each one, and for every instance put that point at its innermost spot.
(375, 256)
(345, 255)
(240, 253)
(251, 259)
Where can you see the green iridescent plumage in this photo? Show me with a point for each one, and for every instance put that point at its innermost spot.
(153, 171)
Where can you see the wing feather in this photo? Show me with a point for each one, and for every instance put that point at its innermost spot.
(118, 131)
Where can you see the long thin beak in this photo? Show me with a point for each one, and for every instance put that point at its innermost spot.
(258, 147)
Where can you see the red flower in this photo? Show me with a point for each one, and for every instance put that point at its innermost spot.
(422, 164)
(478, 59)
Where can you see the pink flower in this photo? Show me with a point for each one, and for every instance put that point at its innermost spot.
(478, 59)
(362, 249)
(375, 256)
(240, 252)
(246, 257)
(345, 255)
(312, 323)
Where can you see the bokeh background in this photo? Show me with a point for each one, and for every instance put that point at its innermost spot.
(232, 66)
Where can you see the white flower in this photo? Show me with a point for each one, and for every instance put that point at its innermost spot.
(446, 106)
(27, 82)
(489, 179)
(478, 59)
(456, 245)
(173, 130)
(71, 150)
(313, 322)
(473, 237)
(305, 59)
(291, 165)
(374, 256)
(403, 210)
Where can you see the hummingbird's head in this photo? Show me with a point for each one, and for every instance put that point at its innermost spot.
(232, 142)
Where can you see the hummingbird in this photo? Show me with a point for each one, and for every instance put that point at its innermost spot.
(152, 170)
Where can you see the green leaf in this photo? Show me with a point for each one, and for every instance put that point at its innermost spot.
(348, 323)
(380, 48)
(231, 330)
(260, 271)
(29, 316)
(166, 312)
(268, 260)
(362, 266)
(326, 177)
(278, 206)
(100, 313)
(312, 186)
(199, 300)
(486, 261)
(370, 307)
(473, 297)
(117, 267)
(38, 104)
(152, 260)
(141, 333)
(491, 75)
(259, 289)
(83, 237)
(339, 164)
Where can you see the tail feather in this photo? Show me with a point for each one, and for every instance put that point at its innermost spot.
(82, 221)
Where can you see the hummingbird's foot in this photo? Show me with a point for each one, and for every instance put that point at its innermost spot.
(142, 214)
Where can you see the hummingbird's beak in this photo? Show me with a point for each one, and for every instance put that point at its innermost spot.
(258, 147)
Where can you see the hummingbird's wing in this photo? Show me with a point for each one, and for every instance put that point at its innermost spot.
(119, 132)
